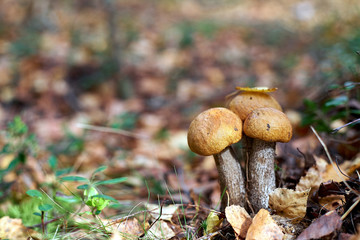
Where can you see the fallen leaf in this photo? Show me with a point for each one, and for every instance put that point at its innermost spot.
(127, 230)
(165, 212)
(332, 174)
(321, 227)
(264, 227)
(256, 89)
(347, 167)
(332, 202)
(315, 206)
(212, 222)
(289, 203)
(239, 219)
(314, 175)
(355, 165)
(12, 228)
(160, 230)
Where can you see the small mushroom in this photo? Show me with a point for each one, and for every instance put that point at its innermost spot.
(265, 126)
(211, 133)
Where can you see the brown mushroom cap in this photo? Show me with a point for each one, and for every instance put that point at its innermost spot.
(268, 124)
(213, 130)
(245, 102)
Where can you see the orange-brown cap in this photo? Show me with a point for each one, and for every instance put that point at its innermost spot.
(213, 130)
(268, 124)
(245, 102)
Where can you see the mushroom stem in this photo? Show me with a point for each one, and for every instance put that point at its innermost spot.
(261, 180)
(230, 178)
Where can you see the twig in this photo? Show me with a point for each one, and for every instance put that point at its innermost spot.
(158, 218)
(112, 130)
(345, 142)
(350, 209)
(345, 125)
(46, 223)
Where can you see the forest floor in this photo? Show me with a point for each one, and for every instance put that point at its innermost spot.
(97, 97)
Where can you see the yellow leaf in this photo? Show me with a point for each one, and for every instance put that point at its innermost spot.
(212, 222)
(256, 89)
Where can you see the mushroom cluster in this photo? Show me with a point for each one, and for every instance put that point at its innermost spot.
(260, 117)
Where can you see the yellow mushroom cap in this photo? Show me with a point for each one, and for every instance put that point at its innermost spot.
(268, 124)
(213, 130)
(245, 102)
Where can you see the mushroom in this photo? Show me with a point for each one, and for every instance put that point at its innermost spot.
(265, 126)
(245, 102)
(211, 133)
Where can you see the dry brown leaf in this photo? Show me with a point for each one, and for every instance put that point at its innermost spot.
(355, 165)
(314, 175)
(348, 167)
(289, 203)
(321, 227)
(14, 229)
(239, 219)
(127, 230)
(332, 202)
(331, 173)
(264, 227)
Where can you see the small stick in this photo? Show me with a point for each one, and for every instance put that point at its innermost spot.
(111, 130)
(350, 209)
(345, 125)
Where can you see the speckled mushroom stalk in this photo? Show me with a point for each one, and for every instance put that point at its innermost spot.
(211, 133)
(265, 126)
(231, 180)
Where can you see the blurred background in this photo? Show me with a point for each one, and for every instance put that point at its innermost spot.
(149, 67)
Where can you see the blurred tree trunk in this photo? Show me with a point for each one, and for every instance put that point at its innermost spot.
(124, 86)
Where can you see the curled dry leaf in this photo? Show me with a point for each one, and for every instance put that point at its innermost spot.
(264, 227)
(239, 219)
(314, 175)
(321, 227)
(289, 203)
